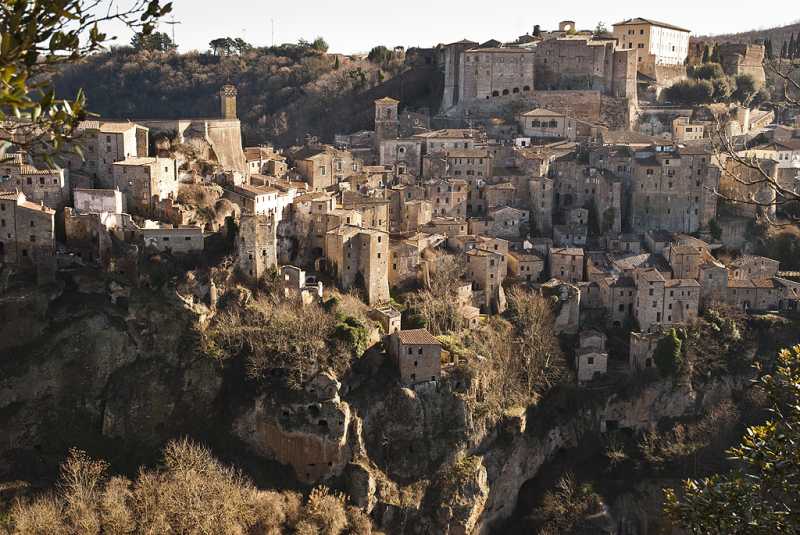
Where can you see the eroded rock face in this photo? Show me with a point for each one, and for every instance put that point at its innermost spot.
(311, 436)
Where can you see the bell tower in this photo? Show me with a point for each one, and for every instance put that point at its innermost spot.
(387, 122)
(227, 98)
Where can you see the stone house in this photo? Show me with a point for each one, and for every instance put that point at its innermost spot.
(642, 347)
(447, 226)
(451, 139)
(506, 223)
(741, 293)
(176, 240)
(566, 264)
(404, 261)
(403, 155)
(256, 245)
(684, 130)
(146, 182)
(741, 185)
(458, 163)
(374, 211)
(572, 235)
(263, 200)
(685, 261)
(624, 243)
(618, 296)
(591, 359)
(48, 186)
(486, 270)
(105, 143)
(415, 215)
(681, 300)
(541, 203)
(500, 195)
(99, 200)
(27, 230)
(359, 257)
(527, 267)
(322, 166)
(297, 288)
(389, 319)
(583, 187)
(713, 278)
(649, 306)
(417, 355)
(753, 267)
(673, 189)
(541, 123)
(447, 197)
(263, 160)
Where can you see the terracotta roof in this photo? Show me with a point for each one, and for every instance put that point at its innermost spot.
(541, 112)
(639, 20)
(672, 283)
(764, 283)
(570, 251)
(736, 283)
(420, 337)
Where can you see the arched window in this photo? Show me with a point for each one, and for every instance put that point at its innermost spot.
(526, 88)
(505, 91)
(495, 94)
(515, 90)
(402, 150)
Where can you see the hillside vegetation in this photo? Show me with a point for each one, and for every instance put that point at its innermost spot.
(285, 92)
(777, 35)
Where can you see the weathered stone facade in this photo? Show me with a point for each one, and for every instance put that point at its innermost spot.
(256, 245)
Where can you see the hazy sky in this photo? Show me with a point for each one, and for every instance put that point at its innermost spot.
(357, 25)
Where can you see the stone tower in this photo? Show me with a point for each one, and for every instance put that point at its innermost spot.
(227, 98)
(387, 123)
(256, 245)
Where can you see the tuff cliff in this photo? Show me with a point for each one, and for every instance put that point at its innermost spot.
(116, 369)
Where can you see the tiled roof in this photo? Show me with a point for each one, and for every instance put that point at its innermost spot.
(683, 283)
(417, 337)
(640, 20)
(541, 112)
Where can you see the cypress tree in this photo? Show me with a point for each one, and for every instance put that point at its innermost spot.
(783, 50)
(705, 54)
(715, 58)
(768, 48)
(791, 49)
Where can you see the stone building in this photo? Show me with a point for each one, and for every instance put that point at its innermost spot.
(448, 198)
(146, 182)
(27, 230)
(493, 72)
(649, 305)
(389, 318)
(581, 186)
(417, 355)
(566, 264)
(374, 211)
(387, 121)
(744, 58)
(403, 155)
(174, 239)
(263, 160)
(541, 203)
(656, 44)
(617, 296)
(227, 99)
(452, 58)
(591, 358)
(525, 266)
(673, 189)
(583, 62)
(404, 261)
(322, 166)
(684, 130)
(506, 223)
(487, 269)
(359, 257)
(48, 186)
(458, 163)
(99, 200)
(104, 143)
(256, 245)
(642, 348)
(262, 200)
(753, 267)
(685, 261)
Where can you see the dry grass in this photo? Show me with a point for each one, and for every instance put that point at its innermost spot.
(191, 493)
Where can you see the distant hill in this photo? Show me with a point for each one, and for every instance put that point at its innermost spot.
(778, 35)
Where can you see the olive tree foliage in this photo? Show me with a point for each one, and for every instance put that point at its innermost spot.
(40, 36)
(761, 495)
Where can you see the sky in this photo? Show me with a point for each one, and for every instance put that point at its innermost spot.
(352, 26)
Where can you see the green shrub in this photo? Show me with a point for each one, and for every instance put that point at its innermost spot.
(668, 356)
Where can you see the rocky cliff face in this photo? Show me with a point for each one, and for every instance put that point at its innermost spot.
(119, 378)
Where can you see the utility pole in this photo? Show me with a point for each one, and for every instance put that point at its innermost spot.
(172, 22)
(272, 22)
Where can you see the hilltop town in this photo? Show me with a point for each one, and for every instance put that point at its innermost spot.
(563, 164)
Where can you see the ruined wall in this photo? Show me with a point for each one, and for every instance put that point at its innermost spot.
(743, 59)
(223, 135)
